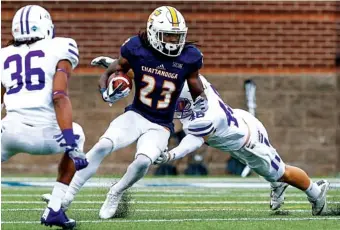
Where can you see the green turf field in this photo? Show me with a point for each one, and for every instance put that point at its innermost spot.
(173, 208)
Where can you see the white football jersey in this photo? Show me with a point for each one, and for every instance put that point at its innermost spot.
(229, 131)
(27, 73)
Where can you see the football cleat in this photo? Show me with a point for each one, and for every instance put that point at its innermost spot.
(58, 218)
(277, 196)
(64, 203)
(319, 205)
(110, 206)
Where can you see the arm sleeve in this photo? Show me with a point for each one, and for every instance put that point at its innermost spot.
(188, 144)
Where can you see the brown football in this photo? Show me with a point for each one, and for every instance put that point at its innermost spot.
(120, 78)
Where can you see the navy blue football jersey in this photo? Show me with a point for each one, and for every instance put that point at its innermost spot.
(158, 79)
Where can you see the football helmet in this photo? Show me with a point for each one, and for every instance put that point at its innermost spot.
(166, 31)
(32, 21)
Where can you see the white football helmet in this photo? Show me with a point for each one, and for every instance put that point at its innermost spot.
(32, 21)
(163, 22)
(185, 103)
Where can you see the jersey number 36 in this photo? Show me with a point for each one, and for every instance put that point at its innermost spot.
(28, 72)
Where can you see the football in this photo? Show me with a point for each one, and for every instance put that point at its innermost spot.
(119, 78)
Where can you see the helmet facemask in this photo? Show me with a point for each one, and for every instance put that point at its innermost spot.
(172, 42)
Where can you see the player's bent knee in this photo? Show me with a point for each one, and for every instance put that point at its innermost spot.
(103, 148)
(286, 175)
(142, 161)
(277, 177)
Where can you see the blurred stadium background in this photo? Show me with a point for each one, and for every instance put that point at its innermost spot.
(288, 48)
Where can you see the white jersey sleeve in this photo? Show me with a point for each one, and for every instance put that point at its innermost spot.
(201, 127)
(67, 49)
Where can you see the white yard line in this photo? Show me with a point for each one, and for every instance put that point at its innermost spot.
(163, 210)
(189, 183)
(184, 220)
(169, 202)
(176, 195)
(161, 179)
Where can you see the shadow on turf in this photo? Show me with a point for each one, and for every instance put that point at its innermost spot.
(280, 213)
(334, 207)
(124, 208)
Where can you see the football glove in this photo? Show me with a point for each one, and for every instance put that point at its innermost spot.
(67, 140)
(102, 61)
(113, 95)
(165, 157)
(78, 157)
(200, 104)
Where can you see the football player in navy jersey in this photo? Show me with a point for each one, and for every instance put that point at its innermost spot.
(161, 61)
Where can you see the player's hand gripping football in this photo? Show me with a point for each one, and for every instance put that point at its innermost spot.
(110, 95)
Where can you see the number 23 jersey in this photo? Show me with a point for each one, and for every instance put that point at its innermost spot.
(158, 79)
(27, 73)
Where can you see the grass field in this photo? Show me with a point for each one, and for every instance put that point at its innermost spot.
(174, 206)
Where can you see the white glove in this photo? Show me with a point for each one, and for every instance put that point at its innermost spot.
(78, 157)
(200, 104)
(114, 95)
(102, 61)
(75, 153)
(165, 157)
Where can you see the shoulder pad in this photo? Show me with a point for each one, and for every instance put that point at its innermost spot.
(201, 127)
(129, 46)
(192, 57)
(66, 48)
(191, 54)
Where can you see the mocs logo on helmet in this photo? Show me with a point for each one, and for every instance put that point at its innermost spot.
(167, 31)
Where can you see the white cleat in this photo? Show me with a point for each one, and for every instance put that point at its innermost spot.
(65, 204)
(319, 206)
(110, 206)
(277, 196)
